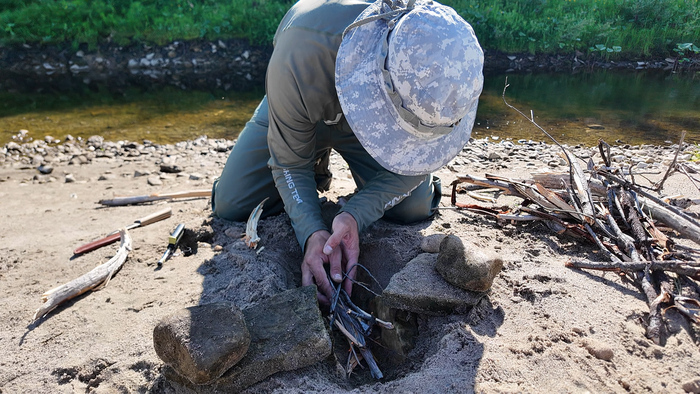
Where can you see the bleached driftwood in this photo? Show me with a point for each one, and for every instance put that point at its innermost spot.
(679, 223)
(99, 276)
(251, 237)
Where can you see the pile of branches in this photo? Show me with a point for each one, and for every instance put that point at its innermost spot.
(606, 206)
(356, 326)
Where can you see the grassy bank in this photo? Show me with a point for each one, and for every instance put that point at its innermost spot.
(614, 28)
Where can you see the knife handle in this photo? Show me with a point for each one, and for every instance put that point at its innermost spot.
(155, 217)
(97, 244)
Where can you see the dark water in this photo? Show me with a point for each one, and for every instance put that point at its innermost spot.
(632, 108)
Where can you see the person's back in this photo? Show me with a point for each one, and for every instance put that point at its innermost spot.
(392, 86)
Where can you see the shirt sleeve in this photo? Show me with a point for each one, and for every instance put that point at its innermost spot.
(380, 194)
(298, 85)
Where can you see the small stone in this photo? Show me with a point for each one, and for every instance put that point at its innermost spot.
(139, 173)
(692, 386)
(218, 248)
(202, 342)
(465, 266)
(431, 243)
(107, 177)
(598, 349)
(45, 169)
(196, 177)
(170, 168)
(154, 181)
(69, 178)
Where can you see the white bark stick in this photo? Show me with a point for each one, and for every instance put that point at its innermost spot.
(99, 275)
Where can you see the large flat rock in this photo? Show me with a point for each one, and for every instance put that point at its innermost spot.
(286, 331)
(419, 288)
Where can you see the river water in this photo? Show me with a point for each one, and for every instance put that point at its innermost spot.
(632, 108)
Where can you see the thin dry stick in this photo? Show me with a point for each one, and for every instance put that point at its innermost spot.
(582, 195)
(682, 169)
(671, 167)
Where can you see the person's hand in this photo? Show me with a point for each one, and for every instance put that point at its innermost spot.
(312, 270)
(341, 250)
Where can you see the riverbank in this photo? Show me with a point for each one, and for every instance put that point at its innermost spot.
(234, 65)
(543, 327)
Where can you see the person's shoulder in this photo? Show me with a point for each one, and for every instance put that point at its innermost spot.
(323, 16)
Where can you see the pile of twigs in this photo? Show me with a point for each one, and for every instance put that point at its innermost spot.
(605, 206)
(356, 325)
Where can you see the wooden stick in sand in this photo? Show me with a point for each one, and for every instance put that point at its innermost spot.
(119, 201)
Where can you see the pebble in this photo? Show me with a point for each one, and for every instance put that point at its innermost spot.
(107, 177)
(45, 169)
(485, 154)
(154, 181)
(69, 178)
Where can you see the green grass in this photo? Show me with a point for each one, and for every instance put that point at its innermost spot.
(612, 28)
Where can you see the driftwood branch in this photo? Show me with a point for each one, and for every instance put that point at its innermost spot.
(131, 200)
(679, 223)
(98, 277)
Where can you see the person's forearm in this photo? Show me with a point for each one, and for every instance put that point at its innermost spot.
(380, 194)
(298, 191)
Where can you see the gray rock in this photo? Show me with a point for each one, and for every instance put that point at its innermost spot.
(692, 386)
(70, 178)
(170, 168)
(96, 141)
(431, 243)
(202, 342)
(419, 288)
(45, 169)
(287, 333)
(466, 266)
(107, 177)
(154, 181)
(138, 173)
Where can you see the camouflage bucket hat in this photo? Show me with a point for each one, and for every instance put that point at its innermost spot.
(408, 76)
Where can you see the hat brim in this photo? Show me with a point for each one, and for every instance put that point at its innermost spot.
(372, 115)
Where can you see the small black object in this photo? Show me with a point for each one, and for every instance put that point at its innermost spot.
(173, 240)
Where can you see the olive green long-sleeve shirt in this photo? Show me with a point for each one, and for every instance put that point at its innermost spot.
(300, 89)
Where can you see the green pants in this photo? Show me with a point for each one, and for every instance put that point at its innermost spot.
(246, 179)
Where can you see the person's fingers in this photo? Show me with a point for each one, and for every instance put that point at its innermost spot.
(307, 278)
(336, 265)
(321, 278)
(332, 243)
(322, 299)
